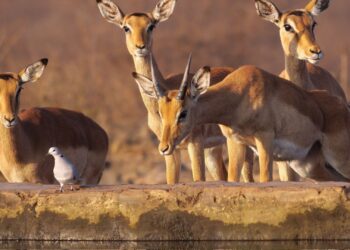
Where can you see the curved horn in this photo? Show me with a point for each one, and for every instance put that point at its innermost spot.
(157, 87)
(184, 84)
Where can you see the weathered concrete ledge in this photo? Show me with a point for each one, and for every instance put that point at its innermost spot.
(202, 211)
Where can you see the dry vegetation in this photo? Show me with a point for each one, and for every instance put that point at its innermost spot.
(90, 68)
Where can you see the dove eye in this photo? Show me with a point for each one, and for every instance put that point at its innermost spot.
(61, 156)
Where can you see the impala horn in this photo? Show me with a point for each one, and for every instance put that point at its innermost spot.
(158, 89)
(184, 84)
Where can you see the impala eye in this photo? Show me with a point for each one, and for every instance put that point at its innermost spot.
(126, 29)
(288, 28)
(182, 116)
(151, 28)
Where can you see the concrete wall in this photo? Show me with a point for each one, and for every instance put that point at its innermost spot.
(202, 211)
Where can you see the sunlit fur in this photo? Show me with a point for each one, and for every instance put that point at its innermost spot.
(298, 45)
(8, 86)
(300, 42)
(174, 130)
(138, 34)
(282, 121)
(24, 143)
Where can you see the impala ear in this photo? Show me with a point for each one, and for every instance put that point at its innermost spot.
(315, 7)
(33, 72)
(111, 12)
(163, 10)
(145, 84)
(200, 83)
(268, 11)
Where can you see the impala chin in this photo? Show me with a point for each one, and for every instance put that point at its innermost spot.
(141, 53)
(314, 59)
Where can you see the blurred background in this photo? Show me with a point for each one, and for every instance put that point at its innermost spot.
(89, 68)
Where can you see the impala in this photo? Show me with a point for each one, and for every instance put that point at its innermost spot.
(26, 136)
(138, 29)
(297, 34)
(277, 118)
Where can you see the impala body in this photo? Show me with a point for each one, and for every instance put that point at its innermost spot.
(278, 119)
(26, 136)
(138, 29)
(302, 52)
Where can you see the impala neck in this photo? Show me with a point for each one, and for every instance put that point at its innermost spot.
(143, 66)
(212, 107)
(297, 72)
(13, 143)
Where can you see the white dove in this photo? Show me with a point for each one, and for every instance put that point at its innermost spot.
(64, 171)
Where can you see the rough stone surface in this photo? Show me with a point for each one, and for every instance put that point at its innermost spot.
(201, 211)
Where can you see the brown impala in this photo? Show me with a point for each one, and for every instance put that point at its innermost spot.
(280, 120)
(139, 29)
(302, 52)
(25, 137)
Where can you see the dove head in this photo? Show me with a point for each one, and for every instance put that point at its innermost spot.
(54, 151)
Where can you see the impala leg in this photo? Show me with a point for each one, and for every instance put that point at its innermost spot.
(264, 146)
(285, 172)
(247, 170)
(215, 164)
(173, 167)
(313, 166)
(236, 155)
(335, 149)
(2, 178)
(196, 153)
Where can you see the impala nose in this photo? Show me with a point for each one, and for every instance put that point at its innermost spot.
(316, 51)
(142, 46)
(10, 120)
(163, 149)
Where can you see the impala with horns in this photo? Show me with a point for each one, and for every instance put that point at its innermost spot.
(301, 51)
(26, 136)
(138, 28)
(280, 120)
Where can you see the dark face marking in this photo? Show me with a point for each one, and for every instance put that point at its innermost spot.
(296, 13)
(137, 14)
(6, 77)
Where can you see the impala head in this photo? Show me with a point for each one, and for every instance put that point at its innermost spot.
(176, 107)
(297, 28)
(10, 90)
(138, 27)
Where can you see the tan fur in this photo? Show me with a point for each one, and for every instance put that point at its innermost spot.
(24, 146)
(262, 109)
(298, 47)
(139, 44)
